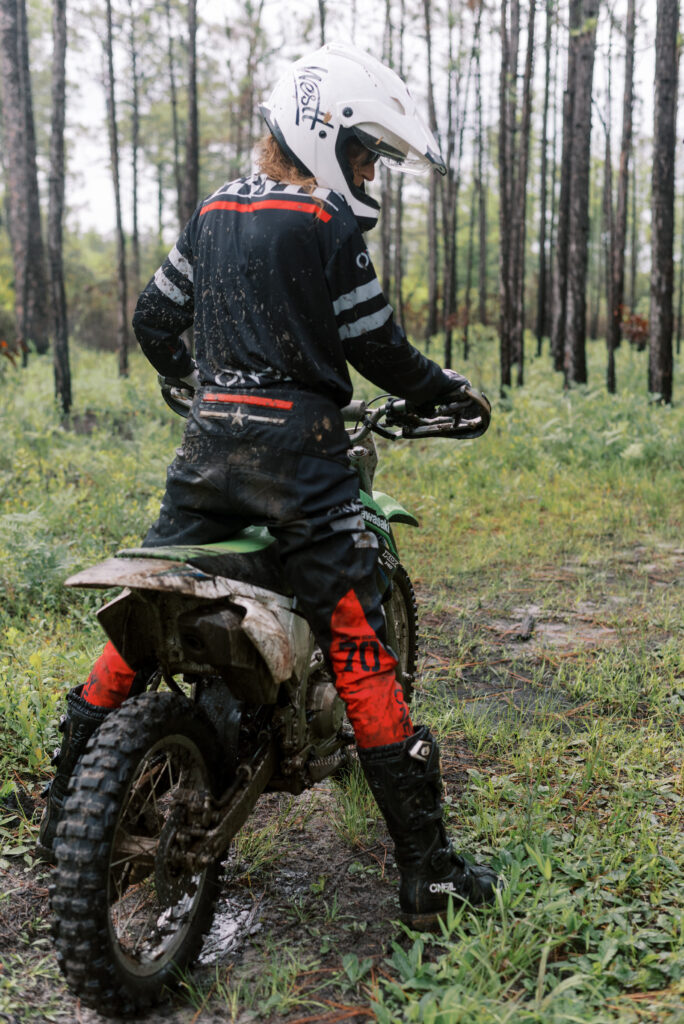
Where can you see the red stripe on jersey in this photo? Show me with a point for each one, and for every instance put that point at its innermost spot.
(268, 204)
(272, 403)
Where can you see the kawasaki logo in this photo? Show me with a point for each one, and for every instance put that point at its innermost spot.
(444, 887)
(376, 520)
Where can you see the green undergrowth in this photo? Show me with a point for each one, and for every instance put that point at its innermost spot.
(570, 506)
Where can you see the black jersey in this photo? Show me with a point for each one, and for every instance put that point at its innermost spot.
(280, 288)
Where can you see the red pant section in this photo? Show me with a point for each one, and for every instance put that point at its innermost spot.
(110, 680)
(365, 678)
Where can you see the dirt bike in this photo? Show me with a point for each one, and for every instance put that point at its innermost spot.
(171, 776)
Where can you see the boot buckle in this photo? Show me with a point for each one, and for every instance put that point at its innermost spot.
(420, 751)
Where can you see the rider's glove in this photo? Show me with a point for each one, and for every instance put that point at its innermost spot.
(453, 386)
(451, 391)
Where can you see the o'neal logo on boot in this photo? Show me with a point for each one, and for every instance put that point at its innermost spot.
(443, 887)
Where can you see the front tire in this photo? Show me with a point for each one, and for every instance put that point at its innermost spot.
(128, 915)
(402, 629)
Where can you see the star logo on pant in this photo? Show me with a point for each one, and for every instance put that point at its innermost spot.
(238, 417)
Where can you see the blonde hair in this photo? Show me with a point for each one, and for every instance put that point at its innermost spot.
(275, 164)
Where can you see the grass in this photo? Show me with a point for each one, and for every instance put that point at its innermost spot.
(562, 754)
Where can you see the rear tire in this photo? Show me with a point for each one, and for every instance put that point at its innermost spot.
(127, 917)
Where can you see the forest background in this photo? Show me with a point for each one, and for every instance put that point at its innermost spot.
(557, 121)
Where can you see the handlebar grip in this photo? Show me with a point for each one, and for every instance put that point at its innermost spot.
(354, 411)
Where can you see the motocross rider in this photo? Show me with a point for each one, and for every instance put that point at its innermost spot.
(273, 273)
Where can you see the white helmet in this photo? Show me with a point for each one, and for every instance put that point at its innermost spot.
(338, 93)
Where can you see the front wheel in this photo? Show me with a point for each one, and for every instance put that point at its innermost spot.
(128, 914)
(402, 628)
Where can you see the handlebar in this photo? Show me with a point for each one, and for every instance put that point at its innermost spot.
(466, 416)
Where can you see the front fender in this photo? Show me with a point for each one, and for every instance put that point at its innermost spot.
(393, 510)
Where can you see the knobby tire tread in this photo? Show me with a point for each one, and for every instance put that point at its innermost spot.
(78, 891)
(401, 581)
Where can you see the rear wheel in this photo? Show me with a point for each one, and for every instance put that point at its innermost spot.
(129, 915)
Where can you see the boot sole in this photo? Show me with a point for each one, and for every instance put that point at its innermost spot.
(423, 922)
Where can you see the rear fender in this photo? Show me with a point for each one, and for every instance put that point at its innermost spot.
(251, 637)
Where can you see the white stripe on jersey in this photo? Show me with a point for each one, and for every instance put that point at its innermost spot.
(366, 323)
(169, 289)
(182, 265)
(356, 297)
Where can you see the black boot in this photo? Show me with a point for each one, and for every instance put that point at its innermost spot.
(78, 725)
(406, 782)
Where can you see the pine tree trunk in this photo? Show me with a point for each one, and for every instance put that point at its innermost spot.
(190, 193)
(481, 206)
(399, 193)
(680, 299)
(385, 181)
(634, 236)
(553, 226)
(135, 146)
(609, 229)
(433, 255)
(575, 364)
(321, 19)
(618, 267)
(543, 176)
(662, 208)
(122, 293)
(450, 198)
(560, 274)
(505, 192)
(22, 180)
(469, 272)
(62, 370)
(519, 206)
(174, 118)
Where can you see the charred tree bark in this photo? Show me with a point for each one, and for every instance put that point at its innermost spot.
(190, 191)
(62, 370)
(662, 213)
(122, 293)
(24, 221)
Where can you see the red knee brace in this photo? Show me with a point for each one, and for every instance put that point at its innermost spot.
(365, 678)
(110, 680)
